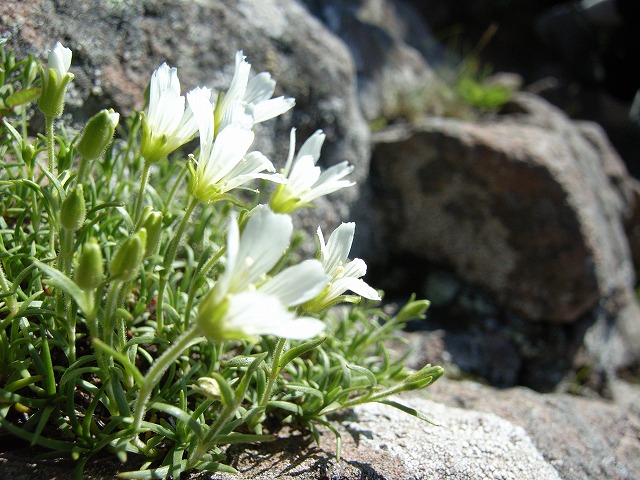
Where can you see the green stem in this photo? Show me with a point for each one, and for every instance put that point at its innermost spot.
(168, 261)
(275, 371)
(157, 370)
(66, 251)
(63, 302)
(143, 185)
(173, 190)
(50, 143)
(82, 170)
(113, 296)
(193, 288)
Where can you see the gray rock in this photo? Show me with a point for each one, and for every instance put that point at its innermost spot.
(582, 438)
(528, 207)
(464, 445)
(535, 197)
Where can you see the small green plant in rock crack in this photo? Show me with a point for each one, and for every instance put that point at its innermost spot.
(146, 308)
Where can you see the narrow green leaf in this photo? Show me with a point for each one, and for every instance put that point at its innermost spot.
(306, 390)
(332, 407)
(22, 96)
(246, 378)
(409, 410)
(366, 372)
(288, 406)
(49, 378)
(300, 350)
(60, 280)
(234, 438)
(21, 383)
(179, 414)
(226, 393)
(432, 373)
(42, 422)
(122, 358)
(14, 133)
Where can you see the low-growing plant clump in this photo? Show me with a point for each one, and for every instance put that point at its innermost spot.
(153, 304)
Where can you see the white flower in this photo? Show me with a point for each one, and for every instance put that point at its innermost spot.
(59, 59)
(169, 122)
(55, 79)
(223, 162)
(306, 180)
(250, 98)
(345, 274)
(245, 302)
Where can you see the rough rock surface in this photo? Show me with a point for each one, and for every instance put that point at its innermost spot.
(529, 207)
(117, 45)
(530, 195)
(582, 438)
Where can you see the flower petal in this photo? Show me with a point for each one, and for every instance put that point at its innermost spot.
(59, 59)
(312, 145)
(256, 313)
(238, 84)
(260, 88)
(262, 243)
(338, 247)
(356, 285)
(297, 284)
(229, 147)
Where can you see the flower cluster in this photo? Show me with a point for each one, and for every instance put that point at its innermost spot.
(245, 300)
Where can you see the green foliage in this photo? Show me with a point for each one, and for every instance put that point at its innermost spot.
(85, 365)
(482, 95)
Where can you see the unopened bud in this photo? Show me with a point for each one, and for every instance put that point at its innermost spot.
(89, 272)
(73, 209)
(151, 220)
(127, 260)
(55, 78)
(209, 387)
(414, 309)
(28, 152)
(97, 134)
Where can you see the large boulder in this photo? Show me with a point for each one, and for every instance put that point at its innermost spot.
(529, 207)
(117, 45)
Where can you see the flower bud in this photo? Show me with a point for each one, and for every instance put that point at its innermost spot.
(151, 220)
(414, 309)
(73, 209)
(89, 272)
(54, 81)
(28, 152)
(97, 134)
(127, 260)
(422, 378)
(209, 387)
